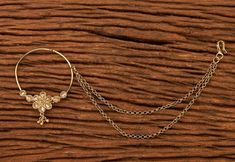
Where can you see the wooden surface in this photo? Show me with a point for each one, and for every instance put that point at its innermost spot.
(139, 54)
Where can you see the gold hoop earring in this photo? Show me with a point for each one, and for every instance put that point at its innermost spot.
(43, 102)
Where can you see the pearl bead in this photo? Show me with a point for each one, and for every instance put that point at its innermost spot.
(56, 99)
(22, 93)
(63, 94)
(29, 98)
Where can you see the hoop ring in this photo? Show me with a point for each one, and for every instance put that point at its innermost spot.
(43, 49)
(43, 102)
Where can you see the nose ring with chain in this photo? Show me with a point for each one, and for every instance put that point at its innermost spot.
(43, 102)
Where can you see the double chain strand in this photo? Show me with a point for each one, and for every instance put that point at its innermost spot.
(196, 90)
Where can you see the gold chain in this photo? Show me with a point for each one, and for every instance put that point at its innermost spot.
(196, 90)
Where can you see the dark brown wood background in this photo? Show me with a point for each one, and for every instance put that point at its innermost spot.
(139, 54)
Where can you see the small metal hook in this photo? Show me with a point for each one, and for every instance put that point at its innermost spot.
(221, 47)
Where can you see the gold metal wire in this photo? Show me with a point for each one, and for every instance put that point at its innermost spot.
(44, 49)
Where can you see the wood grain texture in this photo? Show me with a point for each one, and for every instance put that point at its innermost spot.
(139, 54)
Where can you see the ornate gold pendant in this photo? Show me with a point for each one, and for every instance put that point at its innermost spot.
(42, 102)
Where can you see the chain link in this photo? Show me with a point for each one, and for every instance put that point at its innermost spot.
(197, 90)
(120, 110)
(145, 136)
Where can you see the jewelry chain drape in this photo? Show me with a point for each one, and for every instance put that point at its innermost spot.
(197, 89)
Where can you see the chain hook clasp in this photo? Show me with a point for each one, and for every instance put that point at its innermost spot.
(221, 51)
(221, 47)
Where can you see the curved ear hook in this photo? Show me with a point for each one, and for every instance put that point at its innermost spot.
(221, 47)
